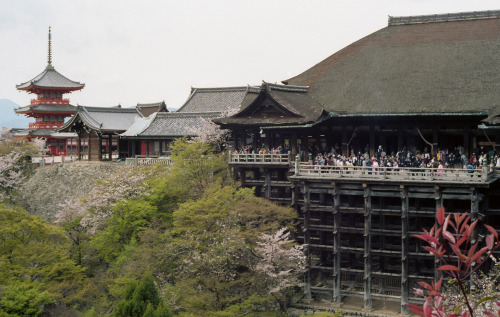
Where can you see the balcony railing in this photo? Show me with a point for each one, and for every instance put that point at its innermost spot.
(278, 159)
(143, 161)
(46, 125)
(483, 174)
(50, 101)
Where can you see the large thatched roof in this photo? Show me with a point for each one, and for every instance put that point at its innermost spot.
(413, 66)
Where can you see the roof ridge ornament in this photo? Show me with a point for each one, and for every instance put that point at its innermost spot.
(446, 17)
(49, 62)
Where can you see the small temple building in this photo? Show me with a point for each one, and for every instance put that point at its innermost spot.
(50, 108)
(152, 136)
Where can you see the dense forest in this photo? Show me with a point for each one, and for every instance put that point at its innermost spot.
(151, 241)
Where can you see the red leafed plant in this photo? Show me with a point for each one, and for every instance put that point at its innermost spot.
(452, 240)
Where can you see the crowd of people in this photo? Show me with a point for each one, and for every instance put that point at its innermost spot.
(444, 158)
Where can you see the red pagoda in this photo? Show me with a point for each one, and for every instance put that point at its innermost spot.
(50, 108)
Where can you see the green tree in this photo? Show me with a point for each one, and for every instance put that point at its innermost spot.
(209, 248)
(129, 218)
(23, 300)
(35, 255)
(141, 300)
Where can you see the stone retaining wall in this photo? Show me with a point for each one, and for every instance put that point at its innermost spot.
(51, 185)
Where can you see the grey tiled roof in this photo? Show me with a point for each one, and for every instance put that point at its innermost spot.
(294, 103)
(169, 124)
(147, 109)
(104, 119)
(214, 99)
(50, 78)
(424, 68)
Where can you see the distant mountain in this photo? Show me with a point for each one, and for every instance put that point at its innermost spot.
(8, 118)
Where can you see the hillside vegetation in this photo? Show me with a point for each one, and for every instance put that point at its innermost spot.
(184, 240)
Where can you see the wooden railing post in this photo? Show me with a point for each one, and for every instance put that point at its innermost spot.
(297, 165)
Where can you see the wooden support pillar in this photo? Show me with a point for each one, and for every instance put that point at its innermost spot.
(367, 249)
(293, 144)
(304, 146)
(434, 141)
(345, 150)
(405, 228)
(439, 203)
(134, 145)
(400, 139)
(267, 185)
(372, 140)
(110, 147)
(99, 140)
(307, 237)
(236, 171)
(295, 195)
(337, 296)
(243, 176)
(79, 147)
(467, 149)
(88, 146)
(474, 204)
(255, 139)
(235, 139)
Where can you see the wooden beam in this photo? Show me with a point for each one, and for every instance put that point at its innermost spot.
(466, 142)
(110, 146)
(405, 225)
(439, 203)
(88, 146)
(367, 248)
(372, 140)
(337, 296)
(243, 176)
(307, 238)
(345, 150)
(79, 148)
(267, 185)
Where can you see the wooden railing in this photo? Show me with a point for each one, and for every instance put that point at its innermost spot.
(51, 101)
(483, 174)
(260, 158)
(143, 161)
(50, 160)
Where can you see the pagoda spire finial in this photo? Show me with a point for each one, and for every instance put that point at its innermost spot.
(49, 63)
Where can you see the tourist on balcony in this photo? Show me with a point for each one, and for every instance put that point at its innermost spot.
(440, 169)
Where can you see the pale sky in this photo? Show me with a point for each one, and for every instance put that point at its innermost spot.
(130, 51)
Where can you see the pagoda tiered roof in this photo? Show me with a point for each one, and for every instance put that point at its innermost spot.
(46, 108)
(48, 80)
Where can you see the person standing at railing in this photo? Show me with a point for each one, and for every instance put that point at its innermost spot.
(375, 166)
(440, 169)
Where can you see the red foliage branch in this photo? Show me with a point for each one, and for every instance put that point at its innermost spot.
(452, 241)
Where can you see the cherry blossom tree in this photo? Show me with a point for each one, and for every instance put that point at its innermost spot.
(11, 174)
(97, 205)
(282, 265)
(40, 144)
(209, 132)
